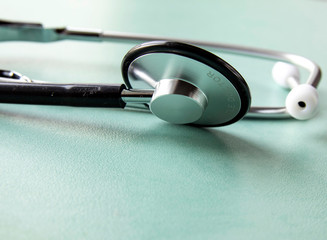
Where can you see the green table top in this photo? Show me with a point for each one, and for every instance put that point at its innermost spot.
(83, 173)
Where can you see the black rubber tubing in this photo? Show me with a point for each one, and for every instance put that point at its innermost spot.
(78, 95)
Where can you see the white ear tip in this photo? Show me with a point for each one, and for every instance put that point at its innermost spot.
(282, 71)
(302, 102)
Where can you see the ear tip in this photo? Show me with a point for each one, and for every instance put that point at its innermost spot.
(282, 71)
(302, 102)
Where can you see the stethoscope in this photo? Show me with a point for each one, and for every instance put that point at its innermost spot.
(177, 81)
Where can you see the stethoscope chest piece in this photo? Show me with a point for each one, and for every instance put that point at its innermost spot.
(191, 85)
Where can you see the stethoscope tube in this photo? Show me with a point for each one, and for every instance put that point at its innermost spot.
(77, 95)
(63, 94)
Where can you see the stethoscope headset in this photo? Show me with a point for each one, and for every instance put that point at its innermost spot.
(179, 82)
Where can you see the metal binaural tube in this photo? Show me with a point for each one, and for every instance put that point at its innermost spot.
(94, 35)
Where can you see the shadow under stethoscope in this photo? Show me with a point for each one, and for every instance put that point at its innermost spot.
(210, 140)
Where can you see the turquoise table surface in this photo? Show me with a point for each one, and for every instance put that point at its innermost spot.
(83, 173)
